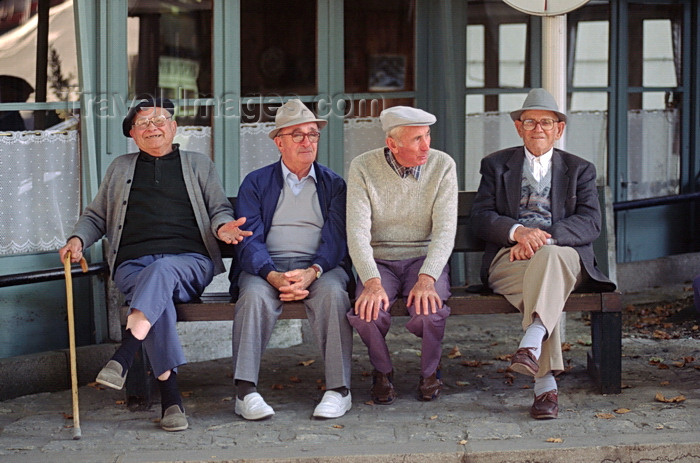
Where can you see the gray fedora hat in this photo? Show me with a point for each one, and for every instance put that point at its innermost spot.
(541, 99)
(294, 112)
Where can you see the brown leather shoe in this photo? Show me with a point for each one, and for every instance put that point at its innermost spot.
(524, 362)
(429, 388)
(382, 391)
(546, 406)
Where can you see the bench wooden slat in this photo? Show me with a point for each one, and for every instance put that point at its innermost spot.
(218, 308)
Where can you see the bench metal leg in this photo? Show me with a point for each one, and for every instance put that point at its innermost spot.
(605, 357)
(140, 385)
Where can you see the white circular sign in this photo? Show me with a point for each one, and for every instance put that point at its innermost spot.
(546, 7)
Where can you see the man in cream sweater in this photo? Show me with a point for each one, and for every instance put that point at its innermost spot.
(401, 223)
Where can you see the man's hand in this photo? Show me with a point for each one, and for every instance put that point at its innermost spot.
(424, 296)
(371, 300)
(293, 284)
(529, 240)
(231, 234)
(75, 246)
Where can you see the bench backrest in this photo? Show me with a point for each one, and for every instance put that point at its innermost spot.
(465, 241)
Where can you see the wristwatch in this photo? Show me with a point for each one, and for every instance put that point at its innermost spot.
(318, 269)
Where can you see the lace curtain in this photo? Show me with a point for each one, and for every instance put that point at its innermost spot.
(586, 136)
(39, 190)
(40, 171)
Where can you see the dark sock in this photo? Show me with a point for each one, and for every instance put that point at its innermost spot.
(243, 388)
(341, 390)
(126, 352)
(169, 393)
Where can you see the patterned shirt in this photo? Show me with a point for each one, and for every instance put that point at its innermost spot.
(402, 171)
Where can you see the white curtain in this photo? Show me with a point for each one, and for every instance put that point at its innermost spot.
(39, 190)
(586, 136)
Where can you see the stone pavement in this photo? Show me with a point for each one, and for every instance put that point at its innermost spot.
(482, 415)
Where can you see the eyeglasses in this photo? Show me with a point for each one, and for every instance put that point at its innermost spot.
(546, 124)
(298, 137)
(158, 121)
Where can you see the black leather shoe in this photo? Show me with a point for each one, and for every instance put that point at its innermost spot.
(382, 391)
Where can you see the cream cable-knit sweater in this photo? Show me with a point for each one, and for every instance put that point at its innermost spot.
(394, 219)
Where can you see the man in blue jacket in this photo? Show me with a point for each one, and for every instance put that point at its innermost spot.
(296, 210)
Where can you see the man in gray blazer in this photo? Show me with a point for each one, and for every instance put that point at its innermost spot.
(537, 209)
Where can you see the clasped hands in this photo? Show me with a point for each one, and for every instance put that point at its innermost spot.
(528, 241)
(293, 284)
(374, 298)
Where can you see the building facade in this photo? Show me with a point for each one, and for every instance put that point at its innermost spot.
(632, 84)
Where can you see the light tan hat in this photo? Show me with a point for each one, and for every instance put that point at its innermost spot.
(397, 116)
(539, 98)
(294, 112)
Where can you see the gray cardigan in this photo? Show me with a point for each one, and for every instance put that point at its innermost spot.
(105, 215)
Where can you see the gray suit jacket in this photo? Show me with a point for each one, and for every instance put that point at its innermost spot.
(576, 219)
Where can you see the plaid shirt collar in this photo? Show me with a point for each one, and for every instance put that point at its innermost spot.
(402, 171)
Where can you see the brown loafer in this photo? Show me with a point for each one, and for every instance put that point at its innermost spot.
(524, 362)
(546, 406)
(382, 391)
(429, 388)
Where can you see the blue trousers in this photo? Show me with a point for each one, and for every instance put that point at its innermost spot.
(153, 284)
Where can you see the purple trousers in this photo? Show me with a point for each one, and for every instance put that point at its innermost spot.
(398, 278)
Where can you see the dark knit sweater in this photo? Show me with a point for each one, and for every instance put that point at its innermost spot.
(159, 216)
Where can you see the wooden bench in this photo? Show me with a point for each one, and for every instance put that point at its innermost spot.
(604, 358)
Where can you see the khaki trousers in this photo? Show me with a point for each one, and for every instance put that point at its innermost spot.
(539, 286)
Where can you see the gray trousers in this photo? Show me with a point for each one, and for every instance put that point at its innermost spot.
(539, 286)
(259, 306)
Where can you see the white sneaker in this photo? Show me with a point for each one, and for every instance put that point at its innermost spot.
(333, 405)
(253, 407)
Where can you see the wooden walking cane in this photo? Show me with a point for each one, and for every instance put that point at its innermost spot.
(71, 341)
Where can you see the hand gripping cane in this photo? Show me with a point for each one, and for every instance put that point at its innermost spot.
(71, 341)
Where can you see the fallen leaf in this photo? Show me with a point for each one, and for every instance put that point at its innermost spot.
(509, 378)
(96, 385)
(454, 353)
(659, 334)
(277, 387)
(462, 383)
(463, 442)
(369, 402)
(688, 359)
(186, 394)
(663, 366)
(525, 386)
(473, 363)
(655, 360)
(678, 364)
(583, 343)
(227, 399)
(660, 398)
(338, 426)
(306, 363)
(565, 347)
(664, 383)
(556, 440)
(622, 411)
(434, 417)
(120, 402)
(659, 426)
(604, 416)
(625, 386)
(504, 357)
(67, 416)
(294, 379)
